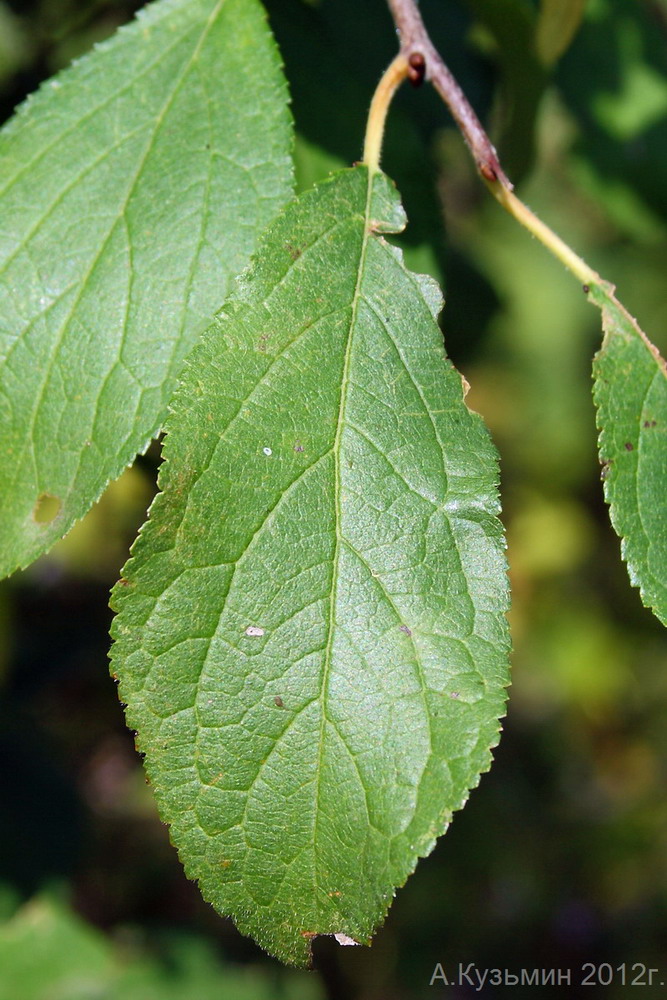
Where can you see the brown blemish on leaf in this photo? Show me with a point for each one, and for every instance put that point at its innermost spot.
(46, 509)
(650, 423)
(404, 628)
(123, 582)
(605, 470)
(309, 934)
(278, 701)
(294, 251)
(629, 446)
(225, 864)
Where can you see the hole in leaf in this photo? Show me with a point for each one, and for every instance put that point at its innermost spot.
(46, 509)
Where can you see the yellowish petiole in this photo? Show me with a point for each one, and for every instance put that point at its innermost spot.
(393, 77)
(485, 155)
(542, 232)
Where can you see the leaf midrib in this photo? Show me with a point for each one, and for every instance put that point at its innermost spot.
(338, 516)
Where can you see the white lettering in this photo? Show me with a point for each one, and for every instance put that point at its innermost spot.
(466, 975)
(481, 979)
(439, 973)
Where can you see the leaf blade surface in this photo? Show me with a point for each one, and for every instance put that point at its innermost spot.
(630, 392)
(312, 640)
(132, 188)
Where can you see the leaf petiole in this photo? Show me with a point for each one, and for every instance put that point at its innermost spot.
(551, 240)
(415, 39)
(397, 71)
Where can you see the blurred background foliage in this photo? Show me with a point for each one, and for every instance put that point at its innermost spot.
(560, 857)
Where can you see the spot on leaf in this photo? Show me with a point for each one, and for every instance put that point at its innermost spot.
(46, 508)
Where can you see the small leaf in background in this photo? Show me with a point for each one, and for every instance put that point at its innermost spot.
(613, 81)
(557, 24)
(47, 952)
(132, 188)
(14, 45)
(312, 642)
(508, 33)
(631, 396)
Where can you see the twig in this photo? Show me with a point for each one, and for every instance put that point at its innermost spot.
(418, 60)
(415, 41)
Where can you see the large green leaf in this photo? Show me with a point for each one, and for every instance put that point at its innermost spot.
(631, 396)
(312, 641)
(132, 188)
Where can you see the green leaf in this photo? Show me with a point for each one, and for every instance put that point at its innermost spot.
(612, 80)
(47, 952)
(132, 188)
(630, 391)
(512, 25)
(44, 947)
(557, 25)
(312, 641)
